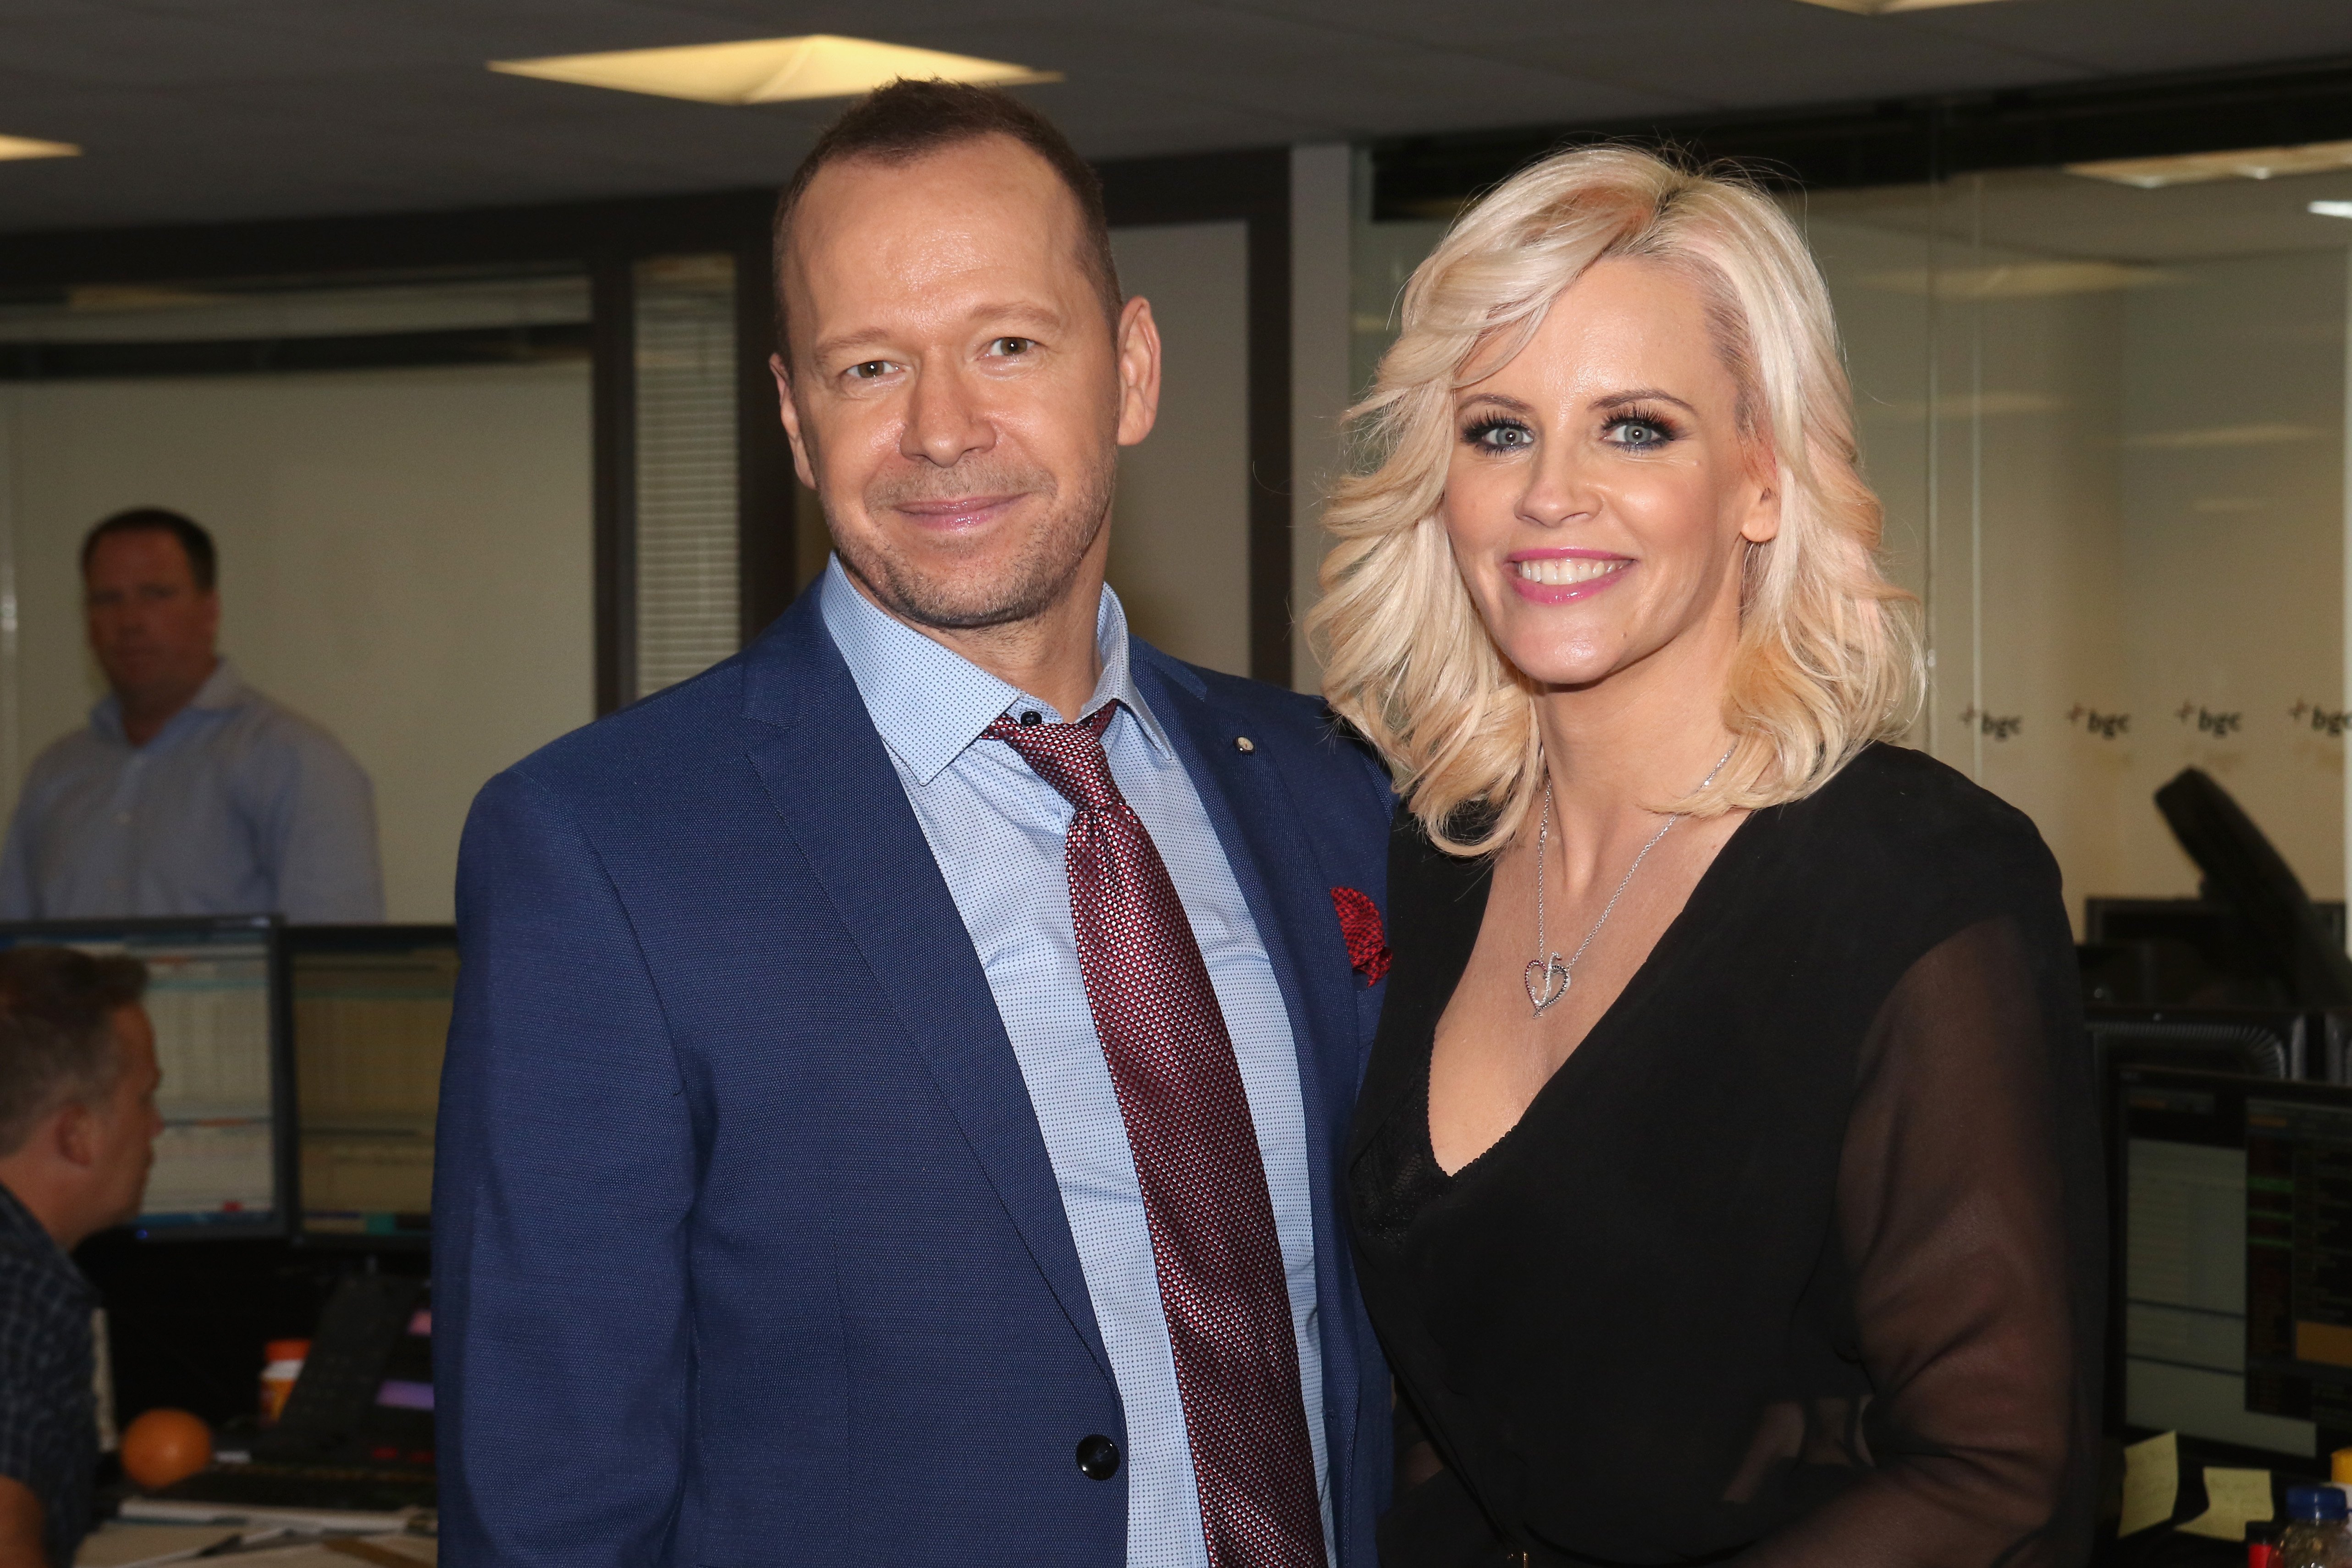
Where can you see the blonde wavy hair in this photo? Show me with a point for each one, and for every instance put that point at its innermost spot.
(1828, 660)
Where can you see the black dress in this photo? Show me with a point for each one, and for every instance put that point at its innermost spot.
(1798, 1257)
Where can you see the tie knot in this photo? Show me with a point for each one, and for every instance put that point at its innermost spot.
(1067, 756)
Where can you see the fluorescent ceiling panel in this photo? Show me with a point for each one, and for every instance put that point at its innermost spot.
(1881, 7)
(2198, 168)
(27, 147)
(2331, 209)
(770, 71)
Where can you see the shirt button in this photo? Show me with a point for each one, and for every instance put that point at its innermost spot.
(1097, 1457)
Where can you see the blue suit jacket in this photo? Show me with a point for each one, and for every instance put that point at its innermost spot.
(747, 1248)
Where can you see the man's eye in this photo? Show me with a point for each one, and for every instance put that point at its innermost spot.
(1011, 346)
(869, 370)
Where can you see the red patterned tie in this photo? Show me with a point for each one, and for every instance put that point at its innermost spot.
(1196, 1155)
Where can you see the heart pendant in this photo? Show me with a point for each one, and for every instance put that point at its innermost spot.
(1546, 981)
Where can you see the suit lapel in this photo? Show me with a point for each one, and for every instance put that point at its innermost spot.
(1250, 805)
(815, 747)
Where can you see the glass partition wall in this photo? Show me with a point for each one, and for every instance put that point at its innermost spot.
(347, 445)
(402, 472)
(2108, 423)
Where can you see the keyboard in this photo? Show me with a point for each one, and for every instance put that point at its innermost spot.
(337, 1487)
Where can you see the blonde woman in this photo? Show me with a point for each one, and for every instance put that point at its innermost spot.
(1724, 1180)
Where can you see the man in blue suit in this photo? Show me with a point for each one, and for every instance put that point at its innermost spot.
(894, 1107)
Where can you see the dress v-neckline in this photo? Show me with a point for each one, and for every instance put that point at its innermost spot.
(1483, 888)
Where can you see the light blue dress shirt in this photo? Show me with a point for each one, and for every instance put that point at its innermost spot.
(998, 832)
(236, 806)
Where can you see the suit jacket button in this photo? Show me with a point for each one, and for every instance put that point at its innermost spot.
(1097, 1457)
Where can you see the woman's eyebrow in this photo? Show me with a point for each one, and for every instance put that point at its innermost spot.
(1641, 395)
(1500, 401)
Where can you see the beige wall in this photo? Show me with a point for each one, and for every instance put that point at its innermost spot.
(1321, 329)
(407, 558)
(1179, 527)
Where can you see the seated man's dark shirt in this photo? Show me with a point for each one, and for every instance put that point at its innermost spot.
(48, 1417)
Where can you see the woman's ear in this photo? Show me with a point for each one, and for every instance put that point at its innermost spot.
(1761, 522)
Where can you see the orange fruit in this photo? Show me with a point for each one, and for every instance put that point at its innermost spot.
(165, 1446)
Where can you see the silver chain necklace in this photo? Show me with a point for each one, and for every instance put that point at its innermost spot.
(1548, 978)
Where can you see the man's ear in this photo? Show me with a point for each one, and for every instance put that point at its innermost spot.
(792, 418)
(73, 1132)
(1139, 371)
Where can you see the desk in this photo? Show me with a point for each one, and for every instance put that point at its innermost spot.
(2162, 1545)
(116, 1545)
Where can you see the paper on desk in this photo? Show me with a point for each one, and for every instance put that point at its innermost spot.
(2232, 1498)
(2151, 1482)
(420, 1550)
(117, 1545)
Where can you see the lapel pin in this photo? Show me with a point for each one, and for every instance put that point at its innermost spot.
(1244, 743)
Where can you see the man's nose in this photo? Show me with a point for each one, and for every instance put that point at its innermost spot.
(944, 420)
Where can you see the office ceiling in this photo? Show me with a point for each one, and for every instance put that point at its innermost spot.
(192, 110)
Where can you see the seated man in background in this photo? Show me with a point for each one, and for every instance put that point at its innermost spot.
(78, 1127)
(189, 792)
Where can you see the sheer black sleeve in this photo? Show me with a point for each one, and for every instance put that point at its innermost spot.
(1969, 1213)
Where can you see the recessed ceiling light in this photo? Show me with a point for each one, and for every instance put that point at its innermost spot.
(2196, 168)
(27, 147)
(1881, 7)
(770, 71)
(2331, 209)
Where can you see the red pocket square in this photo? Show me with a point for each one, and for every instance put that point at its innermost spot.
(1359, 922)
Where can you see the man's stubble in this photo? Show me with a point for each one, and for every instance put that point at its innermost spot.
(1035, 578)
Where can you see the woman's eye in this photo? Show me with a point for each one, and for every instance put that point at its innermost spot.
(1636, 434)
(1499, 435)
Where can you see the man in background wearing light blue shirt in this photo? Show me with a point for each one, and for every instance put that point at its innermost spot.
(865, 1138)
(189, 792)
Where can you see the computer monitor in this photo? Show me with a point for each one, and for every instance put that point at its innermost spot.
(221, 1162)
(2233, 1313)
(370, 1008)
(2155, 952)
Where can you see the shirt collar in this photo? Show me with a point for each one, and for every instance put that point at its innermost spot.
(224, 687)
(931, 702)
(18, 1226)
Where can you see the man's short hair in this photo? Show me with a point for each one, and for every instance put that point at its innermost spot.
(910, 120)
(57, 1032)
(203, 561)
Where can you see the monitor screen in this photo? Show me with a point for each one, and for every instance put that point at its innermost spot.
(2234, 1267)
(371, 1017)
(218, 1169)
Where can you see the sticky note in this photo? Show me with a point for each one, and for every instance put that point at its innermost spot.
(2151, 1482)
(2232, 1498)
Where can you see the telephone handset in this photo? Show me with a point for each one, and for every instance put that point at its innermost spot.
(334, 1403)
